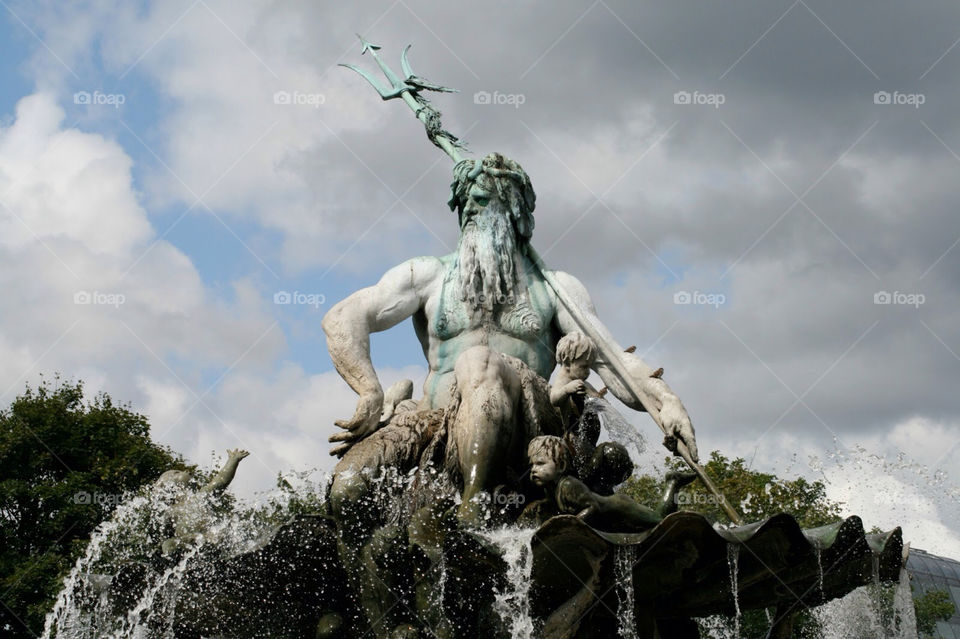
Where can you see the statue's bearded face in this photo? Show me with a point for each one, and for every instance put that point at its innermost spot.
(488, 254)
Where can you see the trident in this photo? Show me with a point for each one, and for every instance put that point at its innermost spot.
(409, 90)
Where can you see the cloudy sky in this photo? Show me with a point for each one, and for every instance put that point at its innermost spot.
(761, 196)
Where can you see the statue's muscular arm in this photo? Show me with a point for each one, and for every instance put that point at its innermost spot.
(400, 293)
(673, 415)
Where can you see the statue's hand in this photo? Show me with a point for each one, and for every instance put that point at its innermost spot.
(678, 428)
(576, 387)
(237, 454)
(364, 421)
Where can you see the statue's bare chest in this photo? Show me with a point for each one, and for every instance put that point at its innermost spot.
(525, 316)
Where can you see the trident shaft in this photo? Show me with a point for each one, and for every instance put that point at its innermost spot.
(409, 90)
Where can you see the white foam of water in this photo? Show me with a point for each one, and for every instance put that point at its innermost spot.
(130, 538)
(733, 559)
(513, 604)
(624, 560)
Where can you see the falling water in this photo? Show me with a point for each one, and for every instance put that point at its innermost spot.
(820, 570)
(618, 428)
(138, 619)
(86, 607)
(733, 559)
(904, 613)
(624, 561)
(513, 604)
(870, 612)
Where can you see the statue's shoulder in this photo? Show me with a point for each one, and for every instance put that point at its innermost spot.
(573, 286)
(422, 270)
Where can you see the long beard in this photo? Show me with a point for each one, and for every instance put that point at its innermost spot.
(487, 262)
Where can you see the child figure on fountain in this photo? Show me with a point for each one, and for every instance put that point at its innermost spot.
(551, 463)
(600, 467)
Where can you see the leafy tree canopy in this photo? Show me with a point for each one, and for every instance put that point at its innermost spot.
(65, 464)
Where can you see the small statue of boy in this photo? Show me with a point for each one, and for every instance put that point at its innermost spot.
(191, 515)
(551, 463)
(600, 467)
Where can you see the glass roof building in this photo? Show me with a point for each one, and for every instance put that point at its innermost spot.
(931, 572)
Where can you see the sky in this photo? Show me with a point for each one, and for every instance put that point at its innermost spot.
(761, 196)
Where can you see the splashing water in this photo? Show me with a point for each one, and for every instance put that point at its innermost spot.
(870, 612)
(733, 559)
(91, 605)
(618, 428)
(513, 605)
(624, 560)
(820, 570)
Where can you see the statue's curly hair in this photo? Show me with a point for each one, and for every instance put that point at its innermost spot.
(512, 184)
(556, 448)
(575, 346)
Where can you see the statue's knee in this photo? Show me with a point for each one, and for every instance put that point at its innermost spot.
(348, 491)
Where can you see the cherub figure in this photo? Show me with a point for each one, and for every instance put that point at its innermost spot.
(551, 463)
(575, 355)
(192, 513)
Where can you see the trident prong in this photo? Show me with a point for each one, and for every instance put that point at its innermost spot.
(409, 90)
(397, 87)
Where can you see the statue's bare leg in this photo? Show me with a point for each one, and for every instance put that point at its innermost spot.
(484, 430)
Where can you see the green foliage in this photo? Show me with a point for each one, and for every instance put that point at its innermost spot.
(931, 607)
(754, 494)
(64, 467)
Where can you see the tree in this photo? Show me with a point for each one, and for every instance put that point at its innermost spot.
(65, 465)
(931, 607)
(754, 494)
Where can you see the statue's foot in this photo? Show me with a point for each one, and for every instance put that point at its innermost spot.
(675, 480)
